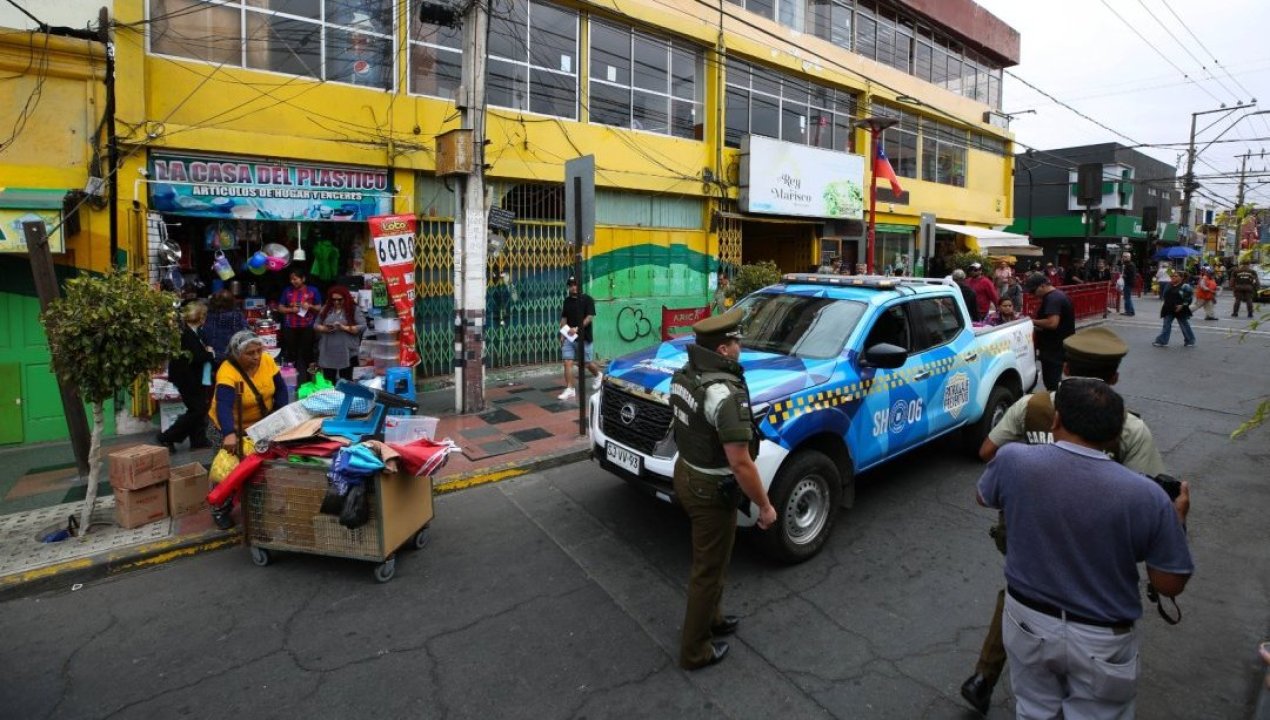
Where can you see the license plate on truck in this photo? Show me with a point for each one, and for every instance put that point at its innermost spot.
(622, 457)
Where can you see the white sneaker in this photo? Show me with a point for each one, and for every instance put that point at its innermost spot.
(599, 380)
(568, 394)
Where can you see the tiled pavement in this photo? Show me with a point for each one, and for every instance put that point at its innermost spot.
(524, 426)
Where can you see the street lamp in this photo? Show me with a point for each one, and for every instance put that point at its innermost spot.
(876, 126)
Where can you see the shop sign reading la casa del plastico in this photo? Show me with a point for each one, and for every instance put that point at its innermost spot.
(221, 186)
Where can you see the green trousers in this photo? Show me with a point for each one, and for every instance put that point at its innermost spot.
(992, 656)
(713, 534)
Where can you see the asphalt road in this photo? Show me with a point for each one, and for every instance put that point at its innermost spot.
(559, 595)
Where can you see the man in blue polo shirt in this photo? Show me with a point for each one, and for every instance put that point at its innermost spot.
(1071, 565)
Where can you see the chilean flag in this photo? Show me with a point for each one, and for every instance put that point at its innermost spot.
(882, 168)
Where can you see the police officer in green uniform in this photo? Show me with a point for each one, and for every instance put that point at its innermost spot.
(714, 474)
(1093, 352)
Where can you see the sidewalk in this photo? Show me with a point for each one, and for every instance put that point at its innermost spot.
(523, 429)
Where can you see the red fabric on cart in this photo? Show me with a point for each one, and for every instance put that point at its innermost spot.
(235, 479)
(422, 456)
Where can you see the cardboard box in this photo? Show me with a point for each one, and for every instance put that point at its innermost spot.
(187, 490)
(139, 466)
(134, 508)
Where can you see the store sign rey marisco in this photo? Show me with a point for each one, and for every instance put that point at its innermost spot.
(784, 178)
(225, 187)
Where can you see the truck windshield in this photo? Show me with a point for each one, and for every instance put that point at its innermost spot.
(798, 325)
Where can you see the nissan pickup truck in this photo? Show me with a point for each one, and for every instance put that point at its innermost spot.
(845, 373)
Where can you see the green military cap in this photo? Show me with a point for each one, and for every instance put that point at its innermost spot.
(1095, 345)
(719, 328)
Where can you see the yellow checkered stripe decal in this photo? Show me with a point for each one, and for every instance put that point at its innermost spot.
(794, 407)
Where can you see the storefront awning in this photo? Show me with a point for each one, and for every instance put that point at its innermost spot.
(994, 241)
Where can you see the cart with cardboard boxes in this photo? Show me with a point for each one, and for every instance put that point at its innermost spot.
(282, 510)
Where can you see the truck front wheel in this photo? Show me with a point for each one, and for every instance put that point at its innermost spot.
(806, 495)
(999, 400)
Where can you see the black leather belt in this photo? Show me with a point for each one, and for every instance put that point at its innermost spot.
(1057, 612)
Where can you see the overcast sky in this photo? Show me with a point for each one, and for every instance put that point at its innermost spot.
(1080, 52)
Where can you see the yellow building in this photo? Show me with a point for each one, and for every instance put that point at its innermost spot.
(723, 134)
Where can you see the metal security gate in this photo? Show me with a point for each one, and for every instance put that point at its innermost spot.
(525, 283)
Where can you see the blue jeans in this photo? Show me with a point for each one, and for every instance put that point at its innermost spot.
(1128, 300)
(1188, 336)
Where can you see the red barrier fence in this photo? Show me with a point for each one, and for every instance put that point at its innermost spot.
(1088, 299)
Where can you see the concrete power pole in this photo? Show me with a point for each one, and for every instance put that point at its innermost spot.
(470, 234)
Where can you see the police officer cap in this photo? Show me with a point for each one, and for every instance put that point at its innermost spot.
(1095, 345)
(719, 328)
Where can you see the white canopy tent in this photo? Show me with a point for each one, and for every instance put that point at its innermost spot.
(994, 242)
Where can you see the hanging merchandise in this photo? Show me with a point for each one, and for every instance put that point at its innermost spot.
(277, 257)
(258, 263)
(221, 266)
(326, 261)
(220, 236)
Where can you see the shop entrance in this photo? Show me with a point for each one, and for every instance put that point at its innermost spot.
(792, 245)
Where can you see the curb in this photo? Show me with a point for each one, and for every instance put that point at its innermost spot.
(139, 557)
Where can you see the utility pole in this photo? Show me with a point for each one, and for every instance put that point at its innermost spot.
(112, 141)
(1189, 186)
(470, 236)
(1239, 196)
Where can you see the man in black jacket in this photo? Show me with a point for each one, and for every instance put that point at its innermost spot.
(185, 371)
(1129, 273)
(967, 293)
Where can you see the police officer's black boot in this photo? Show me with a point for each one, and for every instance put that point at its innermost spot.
(977, 691)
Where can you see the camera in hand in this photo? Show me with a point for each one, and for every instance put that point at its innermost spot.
(1171, 485)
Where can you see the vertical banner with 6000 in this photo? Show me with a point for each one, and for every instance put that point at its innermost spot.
(394, 238)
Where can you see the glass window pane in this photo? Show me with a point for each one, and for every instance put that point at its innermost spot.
(553, 38)
(685, 68)
(820, 128)
(766, 81)
(365, 15)
(509, 32)
(738, 73)
(684, 120)
(358, 59)
(610, 54)
(954, 73)
(791, 14)
(434, 72)
(283, 45)
(821, 96)
(922, 60)
(505, 85)
(737, 116)
(886, 41)
(651, 61)
(553, 94)
(650, 112)
(795, 90)
(994, 90)
(610, 105)
(841, 34)
(819, 19)
(765, 118)
(930, 160)
(907, 166)
(436, 35)
(794, 123)
(311, 9)
(866, 34)
(187, 28)
(843, 133)
(766, 8)
(903, 57)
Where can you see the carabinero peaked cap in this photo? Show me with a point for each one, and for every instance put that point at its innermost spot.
(1095, 345)
(719, 328)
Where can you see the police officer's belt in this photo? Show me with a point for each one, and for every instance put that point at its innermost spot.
(708, 471)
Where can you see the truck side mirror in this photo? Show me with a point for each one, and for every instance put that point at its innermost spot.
(885, 355)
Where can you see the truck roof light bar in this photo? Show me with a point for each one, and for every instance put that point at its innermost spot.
(878, 282)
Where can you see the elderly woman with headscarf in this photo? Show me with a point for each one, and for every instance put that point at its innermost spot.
(248, 387)
(185, 371)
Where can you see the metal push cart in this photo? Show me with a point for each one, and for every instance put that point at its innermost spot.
(282, 512)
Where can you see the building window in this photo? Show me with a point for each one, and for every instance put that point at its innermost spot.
(533, 59)
(436, 58)
(766, 8)
(348, 41)
(900, 140)
(645, 83)
(943, 153)
(763, 102)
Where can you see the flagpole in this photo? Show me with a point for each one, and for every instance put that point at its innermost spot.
(875, 126)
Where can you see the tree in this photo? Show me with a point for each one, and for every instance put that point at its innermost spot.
(104, 333)
(754, 277)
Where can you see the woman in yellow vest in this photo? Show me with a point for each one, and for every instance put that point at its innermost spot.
(248, 387)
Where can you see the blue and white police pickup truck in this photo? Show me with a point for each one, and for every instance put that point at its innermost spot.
(845, 373)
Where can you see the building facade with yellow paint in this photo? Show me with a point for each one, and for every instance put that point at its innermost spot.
(245, 122)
